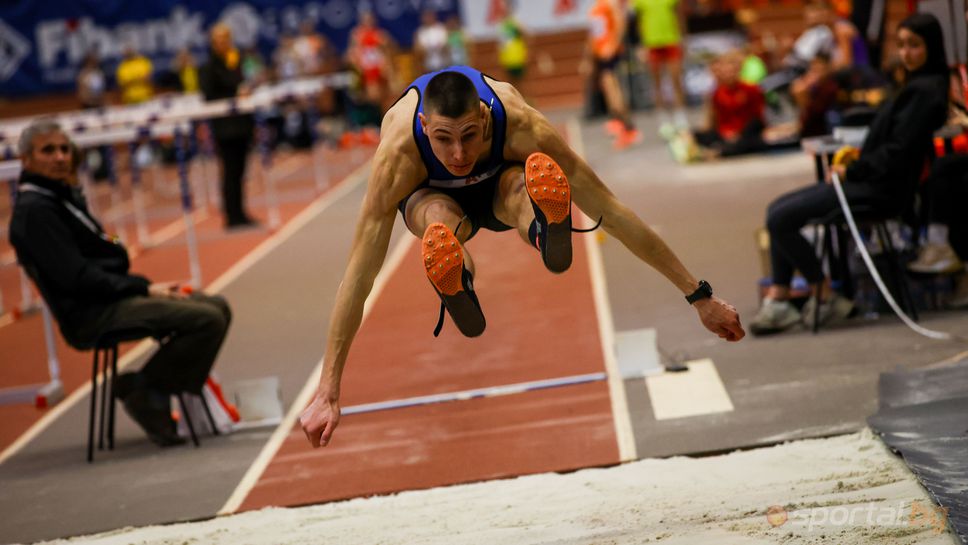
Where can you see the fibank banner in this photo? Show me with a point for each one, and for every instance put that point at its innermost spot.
(42, 44)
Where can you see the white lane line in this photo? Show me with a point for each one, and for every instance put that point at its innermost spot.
(349, 183)
(476, 393)
(177, 226)
(695, 392)
(606, 330)
(281, 432)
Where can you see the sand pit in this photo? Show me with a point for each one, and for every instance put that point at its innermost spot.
(843, 490)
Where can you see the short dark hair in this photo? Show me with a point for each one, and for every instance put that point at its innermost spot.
(450, 94)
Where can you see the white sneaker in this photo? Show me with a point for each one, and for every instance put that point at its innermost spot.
(774, 317)
(667, 131)
(959, 299)
(834, 309)
(935, 259)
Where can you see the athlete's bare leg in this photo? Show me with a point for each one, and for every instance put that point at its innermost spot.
(614, 99)
(512, 206)
(675, 73)
(657, 72)
(428, 206)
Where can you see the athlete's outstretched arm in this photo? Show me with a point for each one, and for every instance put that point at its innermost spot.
(393, 173)
(597, 201)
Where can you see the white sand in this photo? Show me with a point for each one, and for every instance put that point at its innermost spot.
(721, 499)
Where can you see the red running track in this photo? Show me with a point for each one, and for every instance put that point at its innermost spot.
(540, 326)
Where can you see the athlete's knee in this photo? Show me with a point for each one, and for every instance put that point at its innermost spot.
(442, 211)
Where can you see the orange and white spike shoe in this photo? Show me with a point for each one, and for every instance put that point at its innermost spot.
(551, 200)
(443, 259)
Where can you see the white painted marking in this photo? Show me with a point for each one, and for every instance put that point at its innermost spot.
(177, 226)
(606, 331)
(348, 184)
(694, 392)
(637, 353)
(272, 446)
(476, 393)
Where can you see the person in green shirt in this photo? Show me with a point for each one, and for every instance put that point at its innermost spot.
(659, 24)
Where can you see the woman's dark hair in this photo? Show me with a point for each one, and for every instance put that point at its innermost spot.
(927, 27)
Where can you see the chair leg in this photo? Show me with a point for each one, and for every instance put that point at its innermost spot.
(900, 286)
(90, 423)
(816, 307)
(187, 417)
(843, 263)
(208, 413)
(818, 288)
(114, 398)
(105, 393)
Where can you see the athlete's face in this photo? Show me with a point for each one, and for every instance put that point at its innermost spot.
(50, 156)
(457, 142)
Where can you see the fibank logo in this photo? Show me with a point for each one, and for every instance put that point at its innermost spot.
(66, 41)
(14, 48)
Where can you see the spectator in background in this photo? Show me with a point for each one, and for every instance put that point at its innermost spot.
(605, 37)
(659, 28)
(134, 77)
(84, 276)
(754, 67)
(816, 39)
(254, 71)
(735, 112)
(369, 52)
(307, 50)
(456, 43)
(284, 59)
(430, 43)
(92, 83)
(851, 50)
(885, 177)
(815, 94)
(943, 197)
(221, 77)
(186, 70)
(512, 47)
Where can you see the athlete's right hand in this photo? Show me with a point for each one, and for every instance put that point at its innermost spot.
(320, 419)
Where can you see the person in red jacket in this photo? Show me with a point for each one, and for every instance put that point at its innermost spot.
(735, 112)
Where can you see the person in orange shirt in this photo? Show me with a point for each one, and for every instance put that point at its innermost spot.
(607, 28)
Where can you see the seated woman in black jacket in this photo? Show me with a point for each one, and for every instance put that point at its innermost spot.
(885, 177)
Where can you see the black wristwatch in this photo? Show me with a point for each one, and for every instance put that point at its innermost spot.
(704, 291)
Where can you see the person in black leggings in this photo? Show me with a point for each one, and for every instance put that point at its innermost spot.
(944, 195)
(884, 177)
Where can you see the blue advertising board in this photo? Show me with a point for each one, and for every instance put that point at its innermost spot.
(42, 44)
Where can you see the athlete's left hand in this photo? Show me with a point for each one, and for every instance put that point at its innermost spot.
(721, 318)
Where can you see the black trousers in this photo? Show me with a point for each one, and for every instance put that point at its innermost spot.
(190, 331)
(750, 140)
(945, 194)
(233, 153)
(785, 216)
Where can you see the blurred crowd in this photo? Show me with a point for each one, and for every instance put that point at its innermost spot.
(382, 70)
